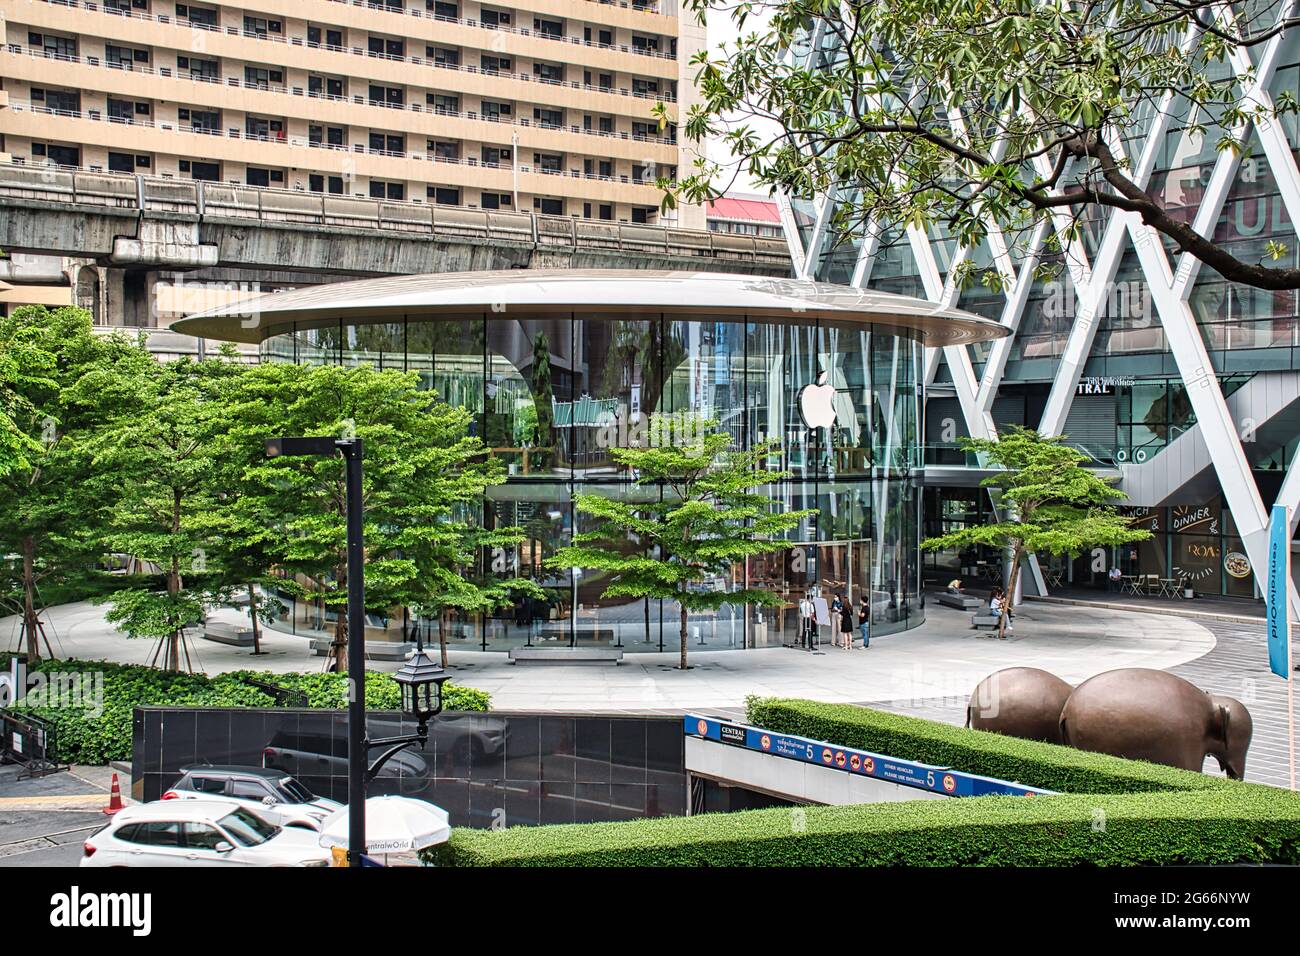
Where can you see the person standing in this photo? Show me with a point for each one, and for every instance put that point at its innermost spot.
(846, 624)
(807, 624)
(864, 622)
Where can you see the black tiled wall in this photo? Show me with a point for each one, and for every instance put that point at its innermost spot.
(516, 768)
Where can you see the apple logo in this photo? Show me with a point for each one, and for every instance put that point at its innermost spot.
(817, 404)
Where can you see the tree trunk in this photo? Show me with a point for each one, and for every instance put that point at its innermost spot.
(442, 636)
(1017, 556)
(338, 649)
(257, 625)
(31, 620)
(683, 634)
(172, 657)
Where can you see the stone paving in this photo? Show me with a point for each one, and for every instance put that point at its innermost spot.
(928, 671)
(943, 658)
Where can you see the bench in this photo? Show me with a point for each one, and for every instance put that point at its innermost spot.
(585, 631)
(962, 602)
(984, 620)
(375, 650)
(222, 633)
(566, 655)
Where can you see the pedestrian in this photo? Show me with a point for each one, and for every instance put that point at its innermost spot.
(846, 624)
(1115, 576)
(807, 624)
(864, 621)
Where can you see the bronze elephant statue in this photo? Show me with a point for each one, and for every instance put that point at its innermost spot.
(1153, 715)
(1019, 702)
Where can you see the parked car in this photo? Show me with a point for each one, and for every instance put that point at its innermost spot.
(200, 833)
(271, 793)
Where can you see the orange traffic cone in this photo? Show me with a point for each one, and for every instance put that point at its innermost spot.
(114, 798)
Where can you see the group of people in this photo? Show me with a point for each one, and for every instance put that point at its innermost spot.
(842, 615)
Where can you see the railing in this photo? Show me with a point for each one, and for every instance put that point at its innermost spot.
(76, 189)
(357, 99)
(282, 139)
(164, 19)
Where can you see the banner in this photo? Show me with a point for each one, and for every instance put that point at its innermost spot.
(1279, 575)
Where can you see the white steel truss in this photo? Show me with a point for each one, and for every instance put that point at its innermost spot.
(1170, 288)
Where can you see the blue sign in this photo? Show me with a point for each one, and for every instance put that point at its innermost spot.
(1275, 594)
(943, 780)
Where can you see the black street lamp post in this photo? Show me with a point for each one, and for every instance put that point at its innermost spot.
(420, 678)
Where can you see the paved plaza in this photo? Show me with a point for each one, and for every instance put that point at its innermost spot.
(943, 658)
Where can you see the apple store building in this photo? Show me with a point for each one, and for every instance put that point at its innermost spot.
(560, 367)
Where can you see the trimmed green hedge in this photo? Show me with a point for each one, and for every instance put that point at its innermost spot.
(1111, 812)
(1031, 762)
(86, 739)
(1241, 824)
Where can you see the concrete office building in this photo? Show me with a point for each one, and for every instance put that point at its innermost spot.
(530, 105)
(1184, 387)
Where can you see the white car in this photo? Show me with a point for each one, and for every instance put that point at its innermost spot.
(269, 793)
(200, 833)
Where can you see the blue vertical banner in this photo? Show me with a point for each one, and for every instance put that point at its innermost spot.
(1279, 575)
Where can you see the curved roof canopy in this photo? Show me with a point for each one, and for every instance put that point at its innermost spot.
(595, 293)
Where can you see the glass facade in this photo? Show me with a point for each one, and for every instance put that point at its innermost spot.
(552, 395)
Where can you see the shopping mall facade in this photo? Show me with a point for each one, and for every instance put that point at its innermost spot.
(1181, 386)
(559, 368)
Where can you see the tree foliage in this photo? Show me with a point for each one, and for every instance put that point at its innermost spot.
(947, 115)
(1053, 504)
(707, 519)
(424, 480)
(48, 517)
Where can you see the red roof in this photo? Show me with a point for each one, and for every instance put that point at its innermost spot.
(750, 210)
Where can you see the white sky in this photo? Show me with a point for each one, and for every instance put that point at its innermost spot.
(722, 30)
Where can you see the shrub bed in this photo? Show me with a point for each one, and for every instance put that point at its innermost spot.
(1110, 812)
(1050, 766)
(89, 739)
(1243, 823)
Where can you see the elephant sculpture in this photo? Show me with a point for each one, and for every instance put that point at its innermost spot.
(1020, 702)
(1152, 715)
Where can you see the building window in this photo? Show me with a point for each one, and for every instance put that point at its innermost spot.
(494, 18)
(330, 39)
(124, 58)
(548, 119)
(384, 190)
(496, 156)
(325, 135)
(201, 17)
(257, 177)
(443, 56)
(494, 112)
(261, 28)
(495, 201)
(208, 172)
(121, 162)
(443, 195)
(262, 78)
(389, 144)
(444, 152)
(442, 10)
(53, 46)
(317, 182)
(393, 96)
(383, 46)
(443, 104)
(494, 65)
(205, 71)
(548, 72)
(548, 28)
(548, 206)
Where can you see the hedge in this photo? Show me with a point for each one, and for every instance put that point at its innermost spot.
(1109, 812)
(1244, 823)
(1031, 762)
(86, 739)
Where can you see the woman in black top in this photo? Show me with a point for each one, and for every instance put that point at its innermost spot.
(846, 624)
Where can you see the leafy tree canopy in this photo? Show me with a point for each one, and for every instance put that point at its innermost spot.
(947, 115)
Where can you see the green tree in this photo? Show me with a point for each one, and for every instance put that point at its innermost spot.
(948, 115)
(154, 459)
(1053, 504)
(424, 480)
(710, 519)
(48, 515)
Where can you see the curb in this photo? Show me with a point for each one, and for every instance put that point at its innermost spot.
(1141, 609)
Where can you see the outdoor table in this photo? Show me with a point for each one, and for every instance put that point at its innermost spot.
(1132, 584)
